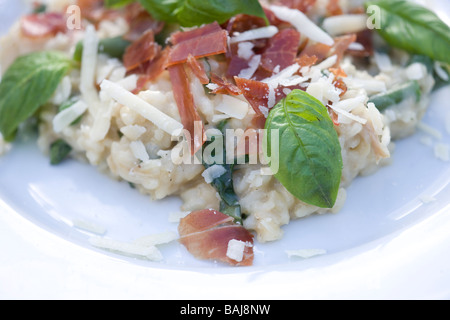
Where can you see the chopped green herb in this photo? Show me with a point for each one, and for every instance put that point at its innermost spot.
(59, 150)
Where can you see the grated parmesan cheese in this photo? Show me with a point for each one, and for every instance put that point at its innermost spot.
(260, 33)
(303, 24)
(89, 66)
(440, 71)
(235, 250)
(131, 249)
(139, 151)
(442, 151)
(89, 226)
(344, 24)
(63, 119)
(416, 71)
(233, 107)
(213, 172)
(245, 50)
(157, 239)
(253, 65)
(149, 112)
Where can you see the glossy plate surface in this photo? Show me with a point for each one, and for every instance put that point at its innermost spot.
(389, 241)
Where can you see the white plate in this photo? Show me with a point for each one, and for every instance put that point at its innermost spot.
(386, 243)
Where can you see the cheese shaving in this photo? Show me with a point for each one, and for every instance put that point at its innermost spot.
(149, 112)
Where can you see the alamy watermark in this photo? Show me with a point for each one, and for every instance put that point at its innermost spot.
(374, 17)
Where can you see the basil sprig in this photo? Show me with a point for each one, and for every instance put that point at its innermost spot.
(413, 28)
(190, 13)
(310, 152)
(224, 185)
(27, 85)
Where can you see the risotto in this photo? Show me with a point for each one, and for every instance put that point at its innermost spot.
(123, 79)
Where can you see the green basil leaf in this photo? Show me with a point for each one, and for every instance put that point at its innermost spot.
(28, 84)
(59, 150)
(310, 153)
(190, 13)
(413, 28)
(224, 185)
(113, 47)
(117, 3)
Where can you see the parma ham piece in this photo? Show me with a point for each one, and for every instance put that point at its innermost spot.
(42, 25)
(206, 234)
(143, 50)
(282, 50)
(190, 117)
(201, 42)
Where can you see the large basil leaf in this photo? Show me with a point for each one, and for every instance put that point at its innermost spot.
(310, 152)
(28, 84)
(190, 13)
(413, 28)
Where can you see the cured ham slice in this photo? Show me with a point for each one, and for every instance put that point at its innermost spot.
(42, 25)
(201, 42)
(322, 51)
(224, 86)
(143, 50)
(282, 50)
(151, 70)
(207, 234)
(198, 69)
(186, 106)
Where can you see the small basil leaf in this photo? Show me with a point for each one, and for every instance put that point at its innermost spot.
(413, 28)
(27, 85)
(59, 150)
(396, 95)
(310, 153)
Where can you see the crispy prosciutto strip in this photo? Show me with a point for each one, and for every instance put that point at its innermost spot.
(41, 25)
(198, 69)
(201, 42)
(333, 8)
(186, 106)
(206, 234)
(282, 50)
(224, 86)
(151, 70)
(322, 51)
(143, 50)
